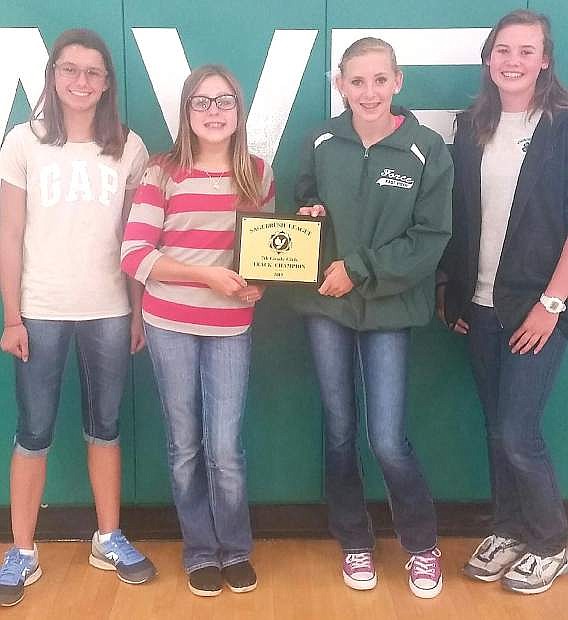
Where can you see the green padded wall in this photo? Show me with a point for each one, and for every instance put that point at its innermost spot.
(287, 48)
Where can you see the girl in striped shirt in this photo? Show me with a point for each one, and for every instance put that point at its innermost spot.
(198, 312)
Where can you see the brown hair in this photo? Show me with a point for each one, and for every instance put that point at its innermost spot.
(549, 94)
(246, 176)
(109, 134)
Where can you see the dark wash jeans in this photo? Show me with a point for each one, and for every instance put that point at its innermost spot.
(381, 357)
(513, 390)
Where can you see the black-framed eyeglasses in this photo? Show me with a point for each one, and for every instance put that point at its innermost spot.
(201, 103)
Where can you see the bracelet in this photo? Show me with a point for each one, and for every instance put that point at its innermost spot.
(12, 325)
(439, 284)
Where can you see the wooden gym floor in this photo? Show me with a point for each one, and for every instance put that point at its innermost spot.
(299, 579)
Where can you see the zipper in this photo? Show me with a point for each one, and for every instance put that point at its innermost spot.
(364, 173)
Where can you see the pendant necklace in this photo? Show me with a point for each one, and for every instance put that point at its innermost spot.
(215, 181)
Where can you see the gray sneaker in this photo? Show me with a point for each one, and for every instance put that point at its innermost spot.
(493, 557)
(120, 555)
(533, 574)
(17, 571)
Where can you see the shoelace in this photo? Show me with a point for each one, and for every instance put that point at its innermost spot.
(359, 560)
(531, 563)
(490, 547)
(13, 568)
(126, 552)
(424, 564)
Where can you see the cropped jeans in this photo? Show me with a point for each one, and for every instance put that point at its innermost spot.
(103, 357)
(513, 390)
(381, 358)
(202, 382)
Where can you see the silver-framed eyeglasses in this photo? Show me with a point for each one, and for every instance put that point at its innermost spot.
(201, 103)
(70, 71)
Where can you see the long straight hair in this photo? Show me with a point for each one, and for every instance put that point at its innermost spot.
(246, 175)
(109, 134)
(549, 95)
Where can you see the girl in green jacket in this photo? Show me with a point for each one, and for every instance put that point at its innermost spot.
(384, 183)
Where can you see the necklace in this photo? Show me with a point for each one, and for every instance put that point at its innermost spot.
(215, 181)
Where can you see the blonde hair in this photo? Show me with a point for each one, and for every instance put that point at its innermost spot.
(246, 174)
(365, 46)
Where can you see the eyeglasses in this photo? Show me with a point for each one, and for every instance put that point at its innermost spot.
(201, 103)
(69, 71)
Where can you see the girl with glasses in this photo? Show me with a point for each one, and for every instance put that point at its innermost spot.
(198, 314)
(68, 177)
(384, 183)
(504, 282)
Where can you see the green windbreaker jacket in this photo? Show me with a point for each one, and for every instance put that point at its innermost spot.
(388, 217)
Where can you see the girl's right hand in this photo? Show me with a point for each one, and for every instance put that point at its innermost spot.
(15, 341)
(223, 280)
(313, 210)
(460, 326)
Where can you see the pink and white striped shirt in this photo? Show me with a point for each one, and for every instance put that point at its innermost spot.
(192, 220)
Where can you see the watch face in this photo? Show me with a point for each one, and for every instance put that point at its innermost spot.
(554, 305)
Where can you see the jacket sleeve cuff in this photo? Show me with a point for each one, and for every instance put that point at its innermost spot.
(356, 269)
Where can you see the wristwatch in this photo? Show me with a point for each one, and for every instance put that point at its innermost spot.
(554, 305)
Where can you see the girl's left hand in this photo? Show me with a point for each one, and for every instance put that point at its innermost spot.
(251, 293)
(337, 283)
(534, 331)
(137, 338)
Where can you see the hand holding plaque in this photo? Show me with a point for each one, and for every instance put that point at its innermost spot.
(275, 249)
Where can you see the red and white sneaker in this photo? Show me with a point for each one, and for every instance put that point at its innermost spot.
(359, 571)
(425, 578)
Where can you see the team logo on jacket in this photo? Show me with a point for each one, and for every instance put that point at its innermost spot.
(392, 178)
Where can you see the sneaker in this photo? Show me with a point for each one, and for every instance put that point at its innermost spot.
(18, 570)
(533, 574)
(425, 578)
(118, 554)
(493, 557)
(206, 581)
(240, 577)
(359, 571)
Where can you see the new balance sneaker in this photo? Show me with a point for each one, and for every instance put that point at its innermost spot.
(206, 581)
(17, 571)
(425, 578)
(533, 574)
(115, 552)
(493, 557)
(240, 577)
(359, 571)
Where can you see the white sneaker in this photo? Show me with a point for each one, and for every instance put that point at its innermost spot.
(533, 574)
(493, 557)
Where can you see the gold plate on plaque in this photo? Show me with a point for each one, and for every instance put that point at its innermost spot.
(275, 249)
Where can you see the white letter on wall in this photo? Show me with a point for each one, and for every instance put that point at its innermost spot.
(23, 56)
(288, 55)
(277, 88)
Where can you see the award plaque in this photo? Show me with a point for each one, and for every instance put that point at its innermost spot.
(274, 249)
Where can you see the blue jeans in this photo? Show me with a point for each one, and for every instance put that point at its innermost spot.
(103, 354)
(202, 381)
(513, 390)
(381, 359)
